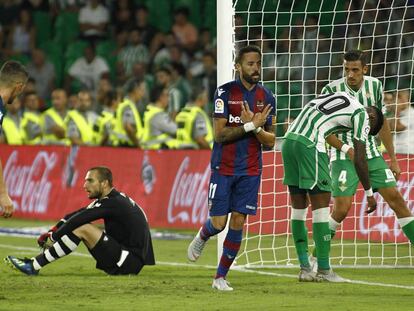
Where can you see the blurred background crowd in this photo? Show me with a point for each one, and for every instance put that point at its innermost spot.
(142, 73)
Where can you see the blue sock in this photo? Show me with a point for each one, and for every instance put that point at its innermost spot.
(231, 247)
(207, 230)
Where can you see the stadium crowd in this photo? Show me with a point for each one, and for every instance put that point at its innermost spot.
(102, 74)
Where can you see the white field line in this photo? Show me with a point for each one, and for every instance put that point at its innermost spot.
(178, 264)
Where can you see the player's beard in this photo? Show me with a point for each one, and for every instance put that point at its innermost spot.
(250, 79)
(13, 95)
(95, 194)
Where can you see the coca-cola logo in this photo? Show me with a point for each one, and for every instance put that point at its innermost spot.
(188, 197)
(28, 185)
(383, 219)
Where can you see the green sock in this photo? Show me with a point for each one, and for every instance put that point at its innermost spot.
(408, 230)
(322, 238)
(300, 237)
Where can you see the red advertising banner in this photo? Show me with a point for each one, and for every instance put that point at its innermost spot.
(46, 183)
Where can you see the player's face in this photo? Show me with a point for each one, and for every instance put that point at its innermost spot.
(16, 91)
(354, 73)
(250, 67)
(93, 186)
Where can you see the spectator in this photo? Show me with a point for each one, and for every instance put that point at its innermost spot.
(43, 72)
(31, 121)
(175, 97)
(80, 121)
(87, 69)
(122, 15)
(93, 20)
(54, 131)
(194, 126)
(12, 133)
(135, 52)
(105, 124)
(402, 123)
(128, 125)
(162, 56)
(148, 32)
(185, 32)
(22, 36)
(159, 128)
(104, 87)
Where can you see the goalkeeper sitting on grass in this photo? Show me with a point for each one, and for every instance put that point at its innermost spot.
(125, 245)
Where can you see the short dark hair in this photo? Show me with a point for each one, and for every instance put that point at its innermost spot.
(156, 93)
(378, 118)
(247, 49)
(104, 173)
(13, 71)
(355, 55)
(131, 84)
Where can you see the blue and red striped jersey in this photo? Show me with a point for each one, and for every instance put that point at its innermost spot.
(2, 111)
(244, 156)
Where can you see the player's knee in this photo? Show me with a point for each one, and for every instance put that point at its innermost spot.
(219, 223)
(237, 221)
(83, 230)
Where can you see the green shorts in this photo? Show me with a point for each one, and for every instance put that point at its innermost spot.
(305, 167)
(345, 179)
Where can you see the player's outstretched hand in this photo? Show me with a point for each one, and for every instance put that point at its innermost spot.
(259, 119)
(246, 114)
(7, 205)
(372, 205)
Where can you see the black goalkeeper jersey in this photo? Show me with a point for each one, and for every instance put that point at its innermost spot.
(124, 221)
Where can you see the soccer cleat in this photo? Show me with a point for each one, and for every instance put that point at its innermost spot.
(313, 261)
(23, 265)
(221, 284)
(195, 248)
(307, 275)
(330, 276)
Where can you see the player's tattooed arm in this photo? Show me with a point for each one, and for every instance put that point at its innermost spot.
(225, 134)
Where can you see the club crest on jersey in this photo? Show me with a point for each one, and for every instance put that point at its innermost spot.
(260, 105)
(219, 106)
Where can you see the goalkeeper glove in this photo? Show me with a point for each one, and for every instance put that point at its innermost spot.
(43, 238)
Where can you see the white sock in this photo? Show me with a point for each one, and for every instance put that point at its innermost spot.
(320, 215)
(333, 224)
(299, 214)
(405, 221)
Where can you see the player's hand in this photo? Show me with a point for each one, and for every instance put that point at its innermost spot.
(246, 114)
(260, 118)
(7, 205)
(372, 205)
(395, 169)
(351, 154)
(44, 240)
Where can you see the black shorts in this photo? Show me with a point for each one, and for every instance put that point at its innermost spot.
(113, 258)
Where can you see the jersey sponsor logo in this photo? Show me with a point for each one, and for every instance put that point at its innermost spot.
(234, 119)
(235, 102)
(220, 91)
(219, 106)
(260, 105)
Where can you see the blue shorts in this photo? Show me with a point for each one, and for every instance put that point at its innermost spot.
(232, 193)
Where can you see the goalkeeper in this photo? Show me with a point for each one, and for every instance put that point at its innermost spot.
(125, 245)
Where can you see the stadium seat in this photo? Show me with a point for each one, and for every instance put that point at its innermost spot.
(66, 28)
(43, 24)
(106, 49)
(160, 14)
(54, 54)
(73, 51)
(24, 59)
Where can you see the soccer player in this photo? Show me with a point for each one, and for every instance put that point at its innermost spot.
(368, 91)
(306, 170)
(125, 245)
(13, 78)
(242, 108)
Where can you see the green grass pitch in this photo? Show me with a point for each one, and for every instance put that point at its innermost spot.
(73, 283)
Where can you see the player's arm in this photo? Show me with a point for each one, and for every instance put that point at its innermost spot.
(361, 129)
(335, 142)
(83, 217)
(5, 202)
(267, 136)
(225, 134)
(386, 138)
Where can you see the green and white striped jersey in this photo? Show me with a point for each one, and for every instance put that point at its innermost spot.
(370, 94)
(326, 115)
